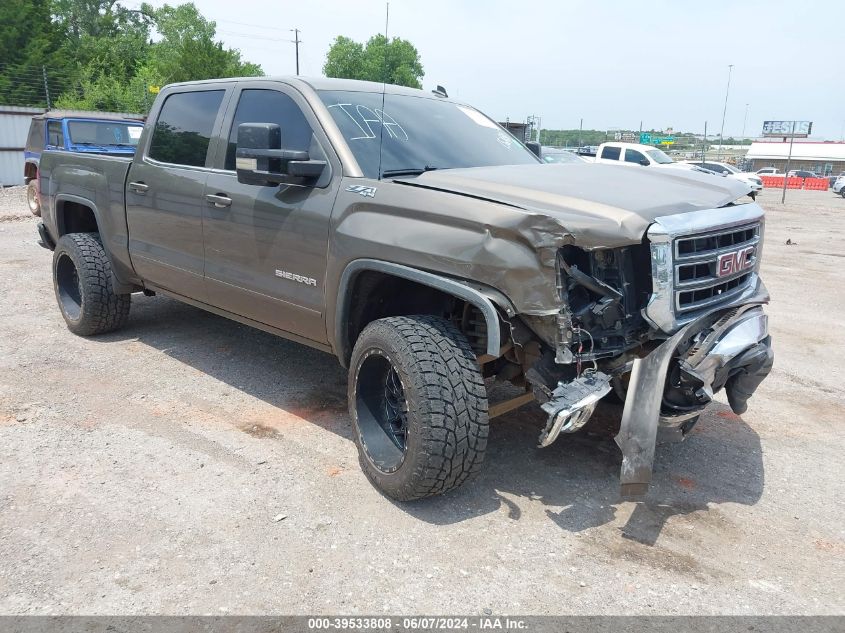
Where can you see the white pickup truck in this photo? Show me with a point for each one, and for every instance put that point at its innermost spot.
(650, 156)
(635, 154)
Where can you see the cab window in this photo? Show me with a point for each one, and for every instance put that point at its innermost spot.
(184, 126)
(611, 152)
(633, 156)
(269, 106)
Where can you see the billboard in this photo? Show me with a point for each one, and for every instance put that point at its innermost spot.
(802, 129)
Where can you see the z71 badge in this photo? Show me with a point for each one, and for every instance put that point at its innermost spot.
(367, 192)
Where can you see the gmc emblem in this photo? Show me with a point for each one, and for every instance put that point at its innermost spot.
(732, 263)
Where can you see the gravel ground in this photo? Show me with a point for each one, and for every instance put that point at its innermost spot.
(188, 464)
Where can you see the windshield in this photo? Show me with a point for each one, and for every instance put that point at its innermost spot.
(562, 157)
(104, 133)
(658, 156)
(729, 168)
(419, 133)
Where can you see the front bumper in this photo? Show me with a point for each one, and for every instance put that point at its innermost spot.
(732, 349)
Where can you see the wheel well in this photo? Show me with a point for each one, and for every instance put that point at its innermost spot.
(30, 171)
(74, 217)
(374, 295)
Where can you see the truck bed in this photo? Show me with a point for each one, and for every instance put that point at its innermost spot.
(69, 178)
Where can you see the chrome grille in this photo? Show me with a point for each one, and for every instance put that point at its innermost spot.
(702, 261)
(697, 282)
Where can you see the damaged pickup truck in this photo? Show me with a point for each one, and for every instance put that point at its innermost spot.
(432, 253)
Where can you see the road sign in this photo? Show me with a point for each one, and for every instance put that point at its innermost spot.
(801, 129)
(647, 139)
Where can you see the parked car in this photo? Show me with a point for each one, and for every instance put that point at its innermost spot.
(753, 180)
(556, 155)
(83, 132)
(802, 173)
(839, 185)
(332, 212)
(769, 171)
(632, 154)
(833, 178)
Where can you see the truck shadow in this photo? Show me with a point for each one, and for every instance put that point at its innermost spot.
(576, 479)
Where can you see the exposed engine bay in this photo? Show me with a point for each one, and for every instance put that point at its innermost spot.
(662, 325)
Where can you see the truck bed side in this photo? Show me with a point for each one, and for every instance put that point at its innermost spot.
(86, 193)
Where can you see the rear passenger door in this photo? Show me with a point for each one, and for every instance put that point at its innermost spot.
(164, 191)
(266, 246)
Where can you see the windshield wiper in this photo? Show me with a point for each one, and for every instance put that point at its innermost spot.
(410, 171)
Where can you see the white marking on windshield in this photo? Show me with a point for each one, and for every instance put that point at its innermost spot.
(366, 116)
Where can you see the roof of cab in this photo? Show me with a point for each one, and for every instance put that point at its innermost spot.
(323, 83)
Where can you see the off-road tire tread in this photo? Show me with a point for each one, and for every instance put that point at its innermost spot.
(452, 415)
(103, 310)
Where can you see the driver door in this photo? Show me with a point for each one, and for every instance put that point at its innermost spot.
(266, 246)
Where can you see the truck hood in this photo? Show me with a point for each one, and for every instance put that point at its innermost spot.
(599, 205)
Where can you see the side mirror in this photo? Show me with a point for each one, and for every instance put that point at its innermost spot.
(260, 159)
(535, 148)
(644, 162)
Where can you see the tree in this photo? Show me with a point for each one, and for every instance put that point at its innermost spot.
(29, 42)
(394, 61)
(187, 50)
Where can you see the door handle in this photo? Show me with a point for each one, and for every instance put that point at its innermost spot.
(138, 187)
(220, 200)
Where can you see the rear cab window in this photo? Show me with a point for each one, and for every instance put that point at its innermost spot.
(611, 153)
(183, 130)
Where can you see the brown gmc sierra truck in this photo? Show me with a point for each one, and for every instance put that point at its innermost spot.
(430, 251)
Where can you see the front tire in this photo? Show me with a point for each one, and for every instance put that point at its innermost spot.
(418, 406)
(32, 197)
(82, 279)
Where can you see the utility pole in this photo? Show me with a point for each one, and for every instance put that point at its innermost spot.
(744, 121)
(580, 127)
(725, 110)
(296, 41)
(46, 88)
(788, 160)
(704, 144)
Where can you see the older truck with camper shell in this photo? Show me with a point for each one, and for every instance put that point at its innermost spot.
(76, 131)
(431, 252)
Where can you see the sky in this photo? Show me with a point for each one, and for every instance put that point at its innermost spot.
(612, 63)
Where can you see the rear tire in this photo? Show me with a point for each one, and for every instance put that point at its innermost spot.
(418, 406)
(32, 197)
(82, 279)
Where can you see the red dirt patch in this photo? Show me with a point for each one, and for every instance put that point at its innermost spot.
(685, 482)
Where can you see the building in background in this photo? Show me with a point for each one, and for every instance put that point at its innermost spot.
(14, 128)
(823, 157)
(519, 130)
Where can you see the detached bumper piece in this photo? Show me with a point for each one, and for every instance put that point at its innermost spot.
(572, 404)
(733, 352)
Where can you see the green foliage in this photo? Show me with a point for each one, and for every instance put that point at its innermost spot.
(394, 61)
(29, 41)
(187, 50)
(100, 55)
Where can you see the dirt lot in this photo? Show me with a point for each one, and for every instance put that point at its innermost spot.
(141, 472)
